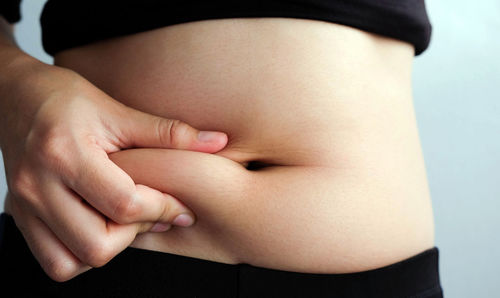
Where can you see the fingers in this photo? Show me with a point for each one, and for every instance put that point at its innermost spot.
(199, 179)
(92, 238)
(72, 194)
(139, 129)
(113, 193)
(70, 237)
(164, 207)
(85, 232)
(58, 262)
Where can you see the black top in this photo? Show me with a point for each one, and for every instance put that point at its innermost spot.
(70, 23)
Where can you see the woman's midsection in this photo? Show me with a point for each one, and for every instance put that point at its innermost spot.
(288, 92)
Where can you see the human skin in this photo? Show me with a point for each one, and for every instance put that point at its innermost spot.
(325, 109)
(65, 195)
(280, 217)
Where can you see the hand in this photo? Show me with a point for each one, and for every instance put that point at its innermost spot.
(74, 206)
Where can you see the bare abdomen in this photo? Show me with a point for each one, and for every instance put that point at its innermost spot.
(289, 92)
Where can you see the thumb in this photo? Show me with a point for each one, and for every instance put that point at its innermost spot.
(135, 128)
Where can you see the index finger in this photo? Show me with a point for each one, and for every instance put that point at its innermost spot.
(111, 191)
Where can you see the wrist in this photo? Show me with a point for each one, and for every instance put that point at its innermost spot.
(16, 72)
(15, 65)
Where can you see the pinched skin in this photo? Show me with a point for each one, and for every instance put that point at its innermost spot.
(324, 109)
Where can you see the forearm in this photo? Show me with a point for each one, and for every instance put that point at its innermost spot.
(254, 217)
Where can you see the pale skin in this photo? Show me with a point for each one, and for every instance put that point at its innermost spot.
(255, 217)
(342, 188)
(57, 131)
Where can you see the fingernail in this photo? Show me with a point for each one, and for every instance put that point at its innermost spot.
(209, 136)
(183, 220)
(160, 227)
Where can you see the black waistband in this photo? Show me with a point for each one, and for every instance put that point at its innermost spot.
(144, 273)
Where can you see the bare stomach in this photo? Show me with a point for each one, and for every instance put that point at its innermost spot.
(324, 110)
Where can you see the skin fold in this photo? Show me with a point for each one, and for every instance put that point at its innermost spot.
(324, 109)
(277, 217)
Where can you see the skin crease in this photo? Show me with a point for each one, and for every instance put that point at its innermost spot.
(327, 109)
(259, 217)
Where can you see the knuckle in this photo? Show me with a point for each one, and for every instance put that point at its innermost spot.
(21, 184)
(173, 130)
(60, 269)
(168, 210)
(126, 211)
(98, 253)
(53, 152)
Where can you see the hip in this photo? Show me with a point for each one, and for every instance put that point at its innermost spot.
(143, 273)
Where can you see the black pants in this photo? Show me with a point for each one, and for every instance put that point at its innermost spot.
(144, 273)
